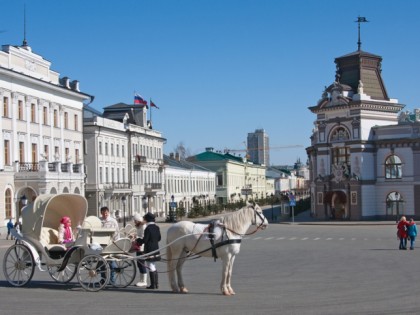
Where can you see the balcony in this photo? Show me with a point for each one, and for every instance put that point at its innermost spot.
(152, 187)
(44, 170)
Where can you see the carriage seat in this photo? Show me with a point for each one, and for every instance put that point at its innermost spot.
(49, 239)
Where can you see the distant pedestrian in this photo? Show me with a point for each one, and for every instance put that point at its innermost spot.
(402, 232)
(18, 226)
(412, 232)
(9, 228)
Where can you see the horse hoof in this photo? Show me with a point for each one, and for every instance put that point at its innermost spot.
(183, 290)
(226, 293)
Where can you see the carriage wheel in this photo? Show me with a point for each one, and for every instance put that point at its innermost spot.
(64, 276)
(18, 265)
(93, 273)
(125, 273)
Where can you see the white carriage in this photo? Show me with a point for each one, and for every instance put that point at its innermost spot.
(90, 258)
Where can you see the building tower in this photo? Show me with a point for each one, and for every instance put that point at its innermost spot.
(258, 147)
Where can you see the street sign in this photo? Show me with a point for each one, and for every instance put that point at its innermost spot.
(292, 202)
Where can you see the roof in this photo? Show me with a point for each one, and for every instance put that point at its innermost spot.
(214, 156)
(183, 164)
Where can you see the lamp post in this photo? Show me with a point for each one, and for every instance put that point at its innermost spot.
(272, 209)
(24, 202)
(124, 200)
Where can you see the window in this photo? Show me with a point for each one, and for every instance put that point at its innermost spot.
(106, 175)
(21, 152)
(100, 175)
(20, 110)
(56, 153)
(6, 152)
(106, 148)
(118, 150)
(5, 106)
(393, 167)
(55, 118)
(34, 153)
(76, 122)
(100, 148)
(45, 115)
(112, 149)
(33, 113)
(77, 156)
(8, 203)
(66, 120)
(340, 155)
(219, 180)
(339, 134)
(122, 151)
(67, 154)
(394, 204)
(46, 151)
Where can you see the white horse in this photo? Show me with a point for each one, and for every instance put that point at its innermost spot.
(188, 239)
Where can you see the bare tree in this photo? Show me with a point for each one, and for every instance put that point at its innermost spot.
(182, 151)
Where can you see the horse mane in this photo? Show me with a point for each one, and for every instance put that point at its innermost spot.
(240, 219)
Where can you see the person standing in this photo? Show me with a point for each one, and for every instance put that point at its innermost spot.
(9, 228)
(402, 232)
(109, 222)
(141, 263)
(412, 232)
(151, 241)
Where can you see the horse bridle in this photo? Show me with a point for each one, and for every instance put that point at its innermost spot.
(262, 218)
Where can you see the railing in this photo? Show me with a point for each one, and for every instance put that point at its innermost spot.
(153, 186)
(111, 186)
(28, 167)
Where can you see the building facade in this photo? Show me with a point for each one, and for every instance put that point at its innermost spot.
(258, 147)
(188, 184)
(365, 153)
(41, 130)
(125, 166)
(236, 178)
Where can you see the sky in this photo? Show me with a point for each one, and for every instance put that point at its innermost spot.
(219, 69)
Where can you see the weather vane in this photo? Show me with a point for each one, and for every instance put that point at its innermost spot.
(360, 19)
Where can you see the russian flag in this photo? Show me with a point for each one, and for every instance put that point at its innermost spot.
(139, 100)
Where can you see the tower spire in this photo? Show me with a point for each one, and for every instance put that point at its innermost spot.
(360, 19)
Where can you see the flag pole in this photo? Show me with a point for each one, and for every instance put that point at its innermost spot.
(150, 105)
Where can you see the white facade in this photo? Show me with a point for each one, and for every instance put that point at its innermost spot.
(188, 184)
(41, 129)
(125, 164)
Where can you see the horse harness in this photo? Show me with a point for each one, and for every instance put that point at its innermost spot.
(209, 230)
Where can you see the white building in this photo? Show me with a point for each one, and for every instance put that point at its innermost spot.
(125, 164)
(364, 160)
(41, 130)
(187, 184)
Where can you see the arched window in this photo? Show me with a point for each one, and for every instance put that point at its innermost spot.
(394, 204)
(8, 204)
(393, 168)
(339, 134)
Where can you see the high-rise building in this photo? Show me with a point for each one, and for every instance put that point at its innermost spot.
(258, 147)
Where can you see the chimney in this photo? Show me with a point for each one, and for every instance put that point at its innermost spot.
(65, 82)
(171, 155)
(209, 149)
(75, 85)
(177, 156)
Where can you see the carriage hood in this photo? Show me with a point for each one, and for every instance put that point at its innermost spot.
(47, 211)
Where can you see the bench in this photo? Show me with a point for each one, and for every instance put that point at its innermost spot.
(49, 239)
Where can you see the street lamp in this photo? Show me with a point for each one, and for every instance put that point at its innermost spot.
(124, 201)
(23, 202)
(272, 209)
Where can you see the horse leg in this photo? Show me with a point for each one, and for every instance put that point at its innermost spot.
(179, 266)
(172, 265)
(229, 279)
(225, 276)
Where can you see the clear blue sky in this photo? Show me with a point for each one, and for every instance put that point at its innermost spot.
(219, 69)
